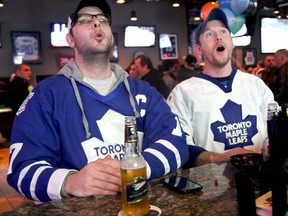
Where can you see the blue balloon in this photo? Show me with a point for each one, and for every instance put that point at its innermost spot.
(230, 16)
(224, 4)
(239, 6)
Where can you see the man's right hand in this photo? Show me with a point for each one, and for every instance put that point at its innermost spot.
(101, 177)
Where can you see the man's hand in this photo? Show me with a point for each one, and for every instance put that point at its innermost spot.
(101, 177)
(212, 157)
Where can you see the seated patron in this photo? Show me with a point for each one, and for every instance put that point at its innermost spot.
(222, 110)
(18, 88)
(148, 73)
(68, 139)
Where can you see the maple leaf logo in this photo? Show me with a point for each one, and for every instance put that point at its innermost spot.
(235, 131)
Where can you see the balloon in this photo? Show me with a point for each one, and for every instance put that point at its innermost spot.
(237, 24)
(239, 6)
(252, 7)
(206, 8)
(230, 16)
(224, 4)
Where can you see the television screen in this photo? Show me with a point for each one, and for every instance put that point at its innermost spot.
(274, 34)
(58, 35)
(139, 36)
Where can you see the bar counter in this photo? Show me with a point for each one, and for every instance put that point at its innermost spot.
(218, 197)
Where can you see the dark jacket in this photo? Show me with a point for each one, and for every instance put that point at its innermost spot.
(155, 79)
(17, 92)
(282, 96)
(186, 73)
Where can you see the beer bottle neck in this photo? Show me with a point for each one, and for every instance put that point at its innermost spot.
(131, 148)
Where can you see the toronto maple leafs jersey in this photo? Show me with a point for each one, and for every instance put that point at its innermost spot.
(219, 118)
(65, 124)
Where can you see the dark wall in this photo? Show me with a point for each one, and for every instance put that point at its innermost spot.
(37, 15)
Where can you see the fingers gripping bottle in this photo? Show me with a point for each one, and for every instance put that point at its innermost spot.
(133, 173)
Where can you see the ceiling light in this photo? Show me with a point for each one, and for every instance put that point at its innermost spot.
(276, 11)
(1, 3)
(120, 1)
(175, 3)
(133, 16)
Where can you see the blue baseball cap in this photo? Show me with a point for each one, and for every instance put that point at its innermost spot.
(101, 4)
(215, 14)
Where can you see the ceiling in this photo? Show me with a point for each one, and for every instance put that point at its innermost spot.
(199, 3)
(261, 4)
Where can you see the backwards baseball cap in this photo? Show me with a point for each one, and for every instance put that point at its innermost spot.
(101, 4)
(215, 14)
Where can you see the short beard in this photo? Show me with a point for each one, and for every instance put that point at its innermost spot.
(93, 54)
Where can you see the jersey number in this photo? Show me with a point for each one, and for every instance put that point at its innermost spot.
(14, 150)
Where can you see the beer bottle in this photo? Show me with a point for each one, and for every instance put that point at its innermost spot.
(272, 112)
(133, 173)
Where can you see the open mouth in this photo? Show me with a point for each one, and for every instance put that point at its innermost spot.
(220, 48)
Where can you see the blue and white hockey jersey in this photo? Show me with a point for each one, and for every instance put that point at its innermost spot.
(219, 118)
(64, 124)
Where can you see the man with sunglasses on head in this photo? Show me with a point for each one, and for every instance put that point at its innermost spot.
(68, 136)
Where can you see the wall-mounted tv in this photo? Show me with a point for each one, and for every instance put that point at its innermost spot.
(274, 34)
(140, 36)
(58, 35)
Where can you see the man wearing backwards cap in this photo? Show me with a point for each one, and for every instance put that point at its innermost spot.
(222, 110)
(68, 136)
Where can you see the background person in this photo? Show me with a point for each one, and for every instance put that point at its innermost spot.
(69, 137)
(132, 70)
(281, 60)
(18, 88)
(259, 69)
(271, 75)
(169, 70)
(188, 68)
(149, 74)
(222, 110)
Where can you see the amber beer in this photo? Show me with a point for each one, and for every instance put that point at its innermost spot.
(135, 199)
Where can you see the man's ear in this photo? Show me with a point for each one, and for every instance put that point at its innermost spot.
(70, 40)
(198, 52)
(113, 38)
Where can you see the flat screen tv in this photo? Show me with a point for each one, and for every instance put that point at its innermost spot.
(140, 36)
(274, 34)
(58, 35)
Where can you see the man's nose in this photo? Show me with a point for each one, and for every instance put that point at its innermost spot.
(96, 23)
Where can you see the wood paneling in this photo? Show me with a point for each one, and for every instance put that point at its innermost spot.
(9, 198)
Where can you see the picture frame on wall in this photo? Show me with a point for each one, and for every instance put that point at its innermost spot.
(168, 44)
(249, 56)
(26, 47)
(62, 60)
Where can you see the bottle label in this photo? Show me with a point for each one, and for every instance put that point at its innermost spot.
(136, 191)
(131, 133)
